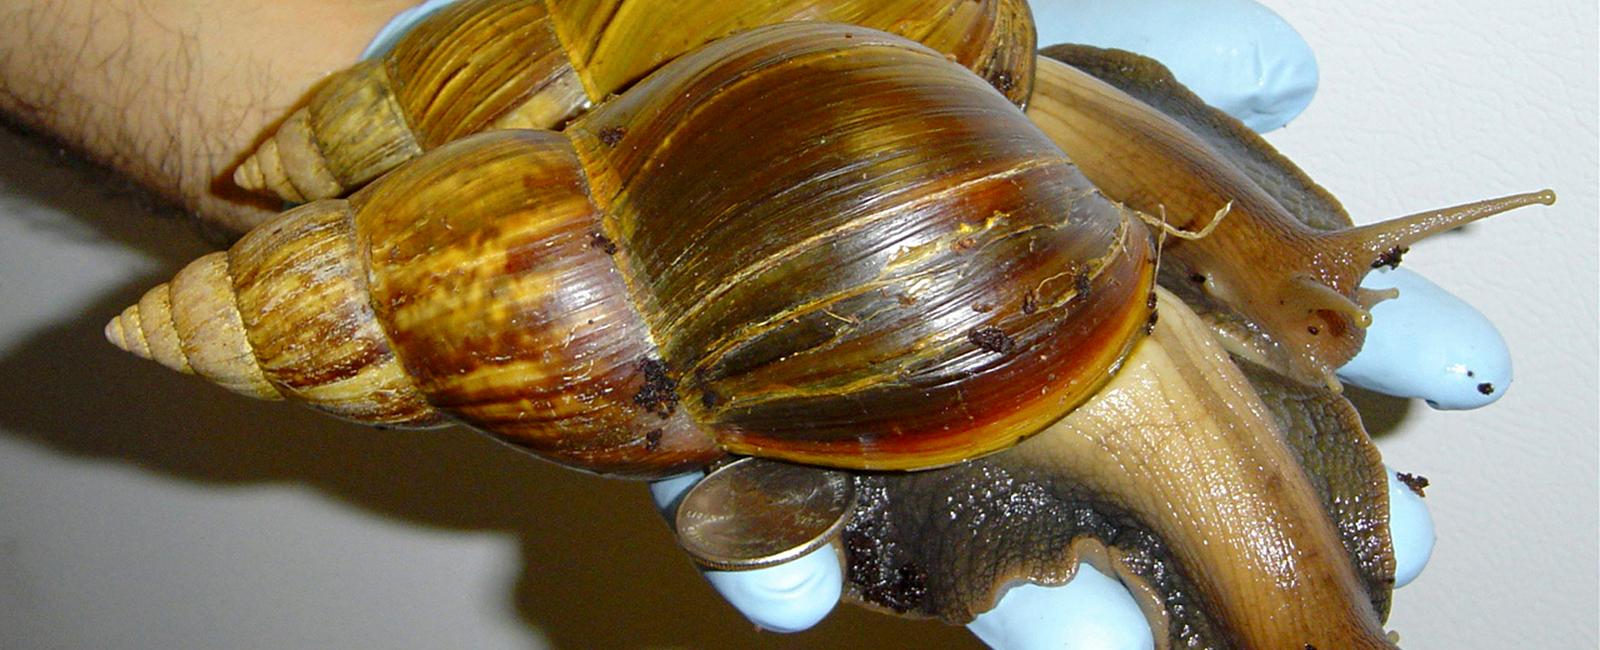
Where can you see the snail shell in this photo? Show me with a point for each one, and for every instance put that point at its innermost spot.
(1278, 278)
(810, 242)
(497, 64)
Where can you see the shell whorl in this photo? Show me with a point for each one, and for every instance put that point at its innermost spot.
(686, 271)
(497, 64)
(192, 325)
(283, 314)
(471, 67)
(292, 165)
(877, 279)
(493, 279)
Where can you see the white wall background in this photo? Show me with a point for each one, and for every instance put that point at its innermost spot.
(139, 509)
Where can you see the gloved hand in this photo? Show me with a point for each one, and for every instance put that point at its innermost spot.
(1090, 612)
(1245, 60)
(1241, 57)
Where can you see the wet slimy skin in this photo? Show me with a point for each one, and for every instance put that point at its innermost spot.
(1092, 610)
(1095, 612)
(1241, 57)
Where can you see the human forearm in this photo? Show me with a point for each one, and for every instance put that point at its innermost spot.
(174, 92)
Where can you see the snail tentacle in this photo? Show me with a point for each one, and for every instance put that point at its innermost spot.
(1281, 286)
(1366, 246)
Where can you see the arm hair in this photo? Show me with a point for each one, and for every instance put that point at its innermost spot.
(174, 93)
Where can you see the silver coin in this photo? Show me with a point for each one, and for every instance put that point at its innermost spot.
(756, 513)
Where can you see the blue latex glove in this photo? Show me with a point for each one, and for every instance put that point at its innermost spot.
(1094, 612)
(399, 25)
(1463, 363)
(1090, 612)
(1236, 54)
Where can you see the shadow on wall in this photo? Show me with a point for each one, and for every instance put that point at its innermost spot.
(599, 567)
(1380, 414)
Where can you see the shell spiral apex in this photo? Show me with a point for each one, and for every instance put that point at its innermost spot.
(191, 325)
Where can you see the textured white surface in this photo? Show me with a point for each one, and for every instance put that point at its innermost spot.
(140, 510)
(1431, 103)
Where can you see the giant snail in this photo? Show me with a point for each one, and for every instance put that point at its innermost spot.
(829, 245)
(1295, 307)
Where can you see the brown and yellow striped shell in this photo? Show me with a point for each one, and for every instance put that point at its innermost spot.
(496, 64)
(811, 242)
(1279, 277)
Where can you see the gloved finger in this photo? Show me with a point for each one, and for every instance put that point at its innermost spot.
(789, 597)
(1243, 59)
(1410, 526)
(1462, 363)
(1096, 612)
(1090, 612)
(1237, 55)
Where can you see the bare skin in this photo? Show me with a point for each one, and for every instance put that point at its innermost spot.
(174, 93)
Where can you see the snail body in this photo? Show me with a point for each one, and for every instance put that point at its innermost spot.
(1280, 266)
(645, 291)
(497, 64)
(1176, 441)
